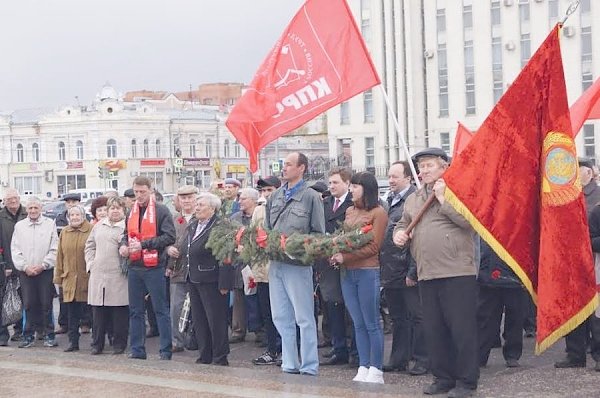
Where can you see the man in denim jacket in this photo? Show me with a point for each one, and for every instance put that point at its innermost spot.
(294, 208)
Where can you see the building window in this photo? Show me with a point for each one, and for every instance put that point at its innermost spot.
(443, 79)
(469, 77)
(524, 11)
(20, 154)
(79, 149)
(236, 150)
(176, 148)
(586, 44)
(208, 148)
(66, 183)
(345, 113)
(441, 20)
(496, 15)
(35, 152)
(525, 49)
(62, 151)
(156, 178)
(467, 14)
(28, 185)
(133, 149)
(370, 151)
(365, 28)
(368, 106)
(586, 6)
(445, 141)
(192, 148)
(157, 148)
(586, 80)
(552, 12)
(497, 74)
(146, 149)
(589, 141)
(226, 148)
(111, 148)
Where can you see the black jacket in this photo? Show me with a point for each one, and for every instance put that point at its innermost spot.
(396, 262)
(494, 272)
(203, 266)
(165, 236)
(594, 225)
(329, 277)
(7, 227)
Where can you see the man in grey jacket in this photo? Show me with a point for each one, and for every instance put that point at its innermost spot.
(33, 248)
(294, 208)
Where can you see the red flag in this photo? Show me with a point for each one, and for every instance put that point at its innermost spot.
(518, 185)
(586, 107)
(462, 139)
(319, 61)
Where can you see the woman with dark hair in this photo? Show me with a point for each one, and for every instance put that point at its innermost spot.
(360, 277)
(108, 288)
(99, 209)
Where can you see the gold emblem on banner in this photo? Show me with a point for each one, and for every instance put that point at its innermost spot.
(560, 170)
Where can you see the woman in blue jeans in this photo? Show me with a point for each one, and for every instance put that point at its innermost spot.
(360, 276)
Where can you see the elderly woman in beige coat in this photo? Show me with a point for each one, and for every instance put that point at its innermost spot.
(70, 271)
(108, 292)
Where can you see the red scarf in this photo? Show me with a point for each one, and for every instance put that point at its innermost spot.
(148, 231)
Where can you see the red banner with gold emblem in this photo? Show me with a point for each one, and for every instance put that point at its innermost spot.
(518, 185)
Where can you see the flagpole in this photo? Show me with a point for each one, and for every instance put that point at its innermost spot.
(413, 170)
(572, 7)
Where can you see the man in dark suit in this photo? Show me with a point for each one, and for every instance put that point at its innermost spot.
(334, 208)
(399, 281)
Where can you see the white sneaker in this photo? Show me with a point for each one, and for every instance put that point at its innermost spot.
(374, 376)
(362, 374)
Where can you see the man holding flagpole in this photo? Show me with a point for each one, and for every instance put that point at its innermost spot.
(443, 245)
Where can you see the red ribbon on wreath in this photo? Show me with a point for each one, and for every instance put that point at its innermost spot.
(238, 236)
(261, 237)
(366, 229)
(282, 240)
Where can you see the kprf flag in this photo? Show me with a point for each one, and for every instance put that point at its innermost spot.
(319, 61)
(586, 107)
(462, 139)
(518, 185)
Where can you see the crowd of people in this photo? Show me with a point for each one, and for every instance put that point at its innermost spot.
(128, 271)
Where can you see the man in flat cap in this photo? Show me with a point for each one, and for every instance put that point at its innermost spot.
(176, 269)
(444, 246)
(231, 205)
(129, 197)
(266, 186)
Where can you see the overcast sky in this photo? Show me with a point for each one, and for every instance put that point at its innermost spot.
(54, 50)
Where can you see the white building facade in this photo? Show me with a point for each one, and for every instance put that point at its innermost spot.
(46, 153)
(444, 61)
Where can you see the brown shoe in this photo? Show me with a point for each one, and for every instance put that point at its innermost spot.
(85, 329)
(61, 330)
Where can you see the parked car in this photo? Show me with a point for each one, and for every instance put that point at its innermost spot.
(54, 208)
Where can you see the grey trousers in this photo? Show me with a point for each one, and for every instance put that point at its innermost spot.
(178, 292)
(238, 321)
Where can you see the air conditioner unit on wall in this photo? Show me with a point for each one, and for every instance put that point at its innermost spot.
(569, 31)
(428, 54)
(510, 45)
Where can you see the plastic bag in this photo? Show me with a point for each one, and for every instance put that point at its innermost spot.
(12, 305)
(184, 318)
(249, 282)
